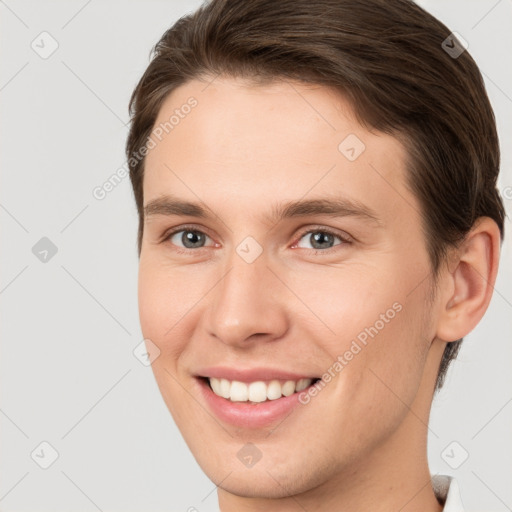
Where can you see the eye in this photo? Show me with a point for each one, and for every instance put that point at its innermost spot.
(321, 239)
(186, 238)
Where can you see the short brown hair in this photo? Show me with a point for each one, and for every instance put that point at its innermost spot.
(387, 57)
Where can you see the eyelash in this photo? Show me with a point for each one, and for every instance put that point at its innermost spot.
(344, 239)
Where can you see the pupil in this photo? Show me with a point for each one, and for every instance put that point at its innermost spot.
(320, 238)
(192, 239)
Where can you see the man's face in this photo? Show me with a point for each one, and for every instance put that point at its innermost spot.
(248, 296)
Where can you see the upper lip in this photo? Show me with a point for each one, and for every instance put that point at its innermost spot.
(251, 374)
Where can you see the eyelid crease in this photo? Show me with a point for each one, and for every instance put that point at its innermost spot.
(342, 235)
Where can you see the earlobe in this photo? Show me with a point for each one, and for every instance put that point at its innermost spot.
(469, 280)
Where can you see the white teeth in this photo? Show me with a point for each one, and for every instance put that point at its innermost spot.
(225, 387)
(258, 391)
(302, 384)
(274, 390)
(288, 388)
(239, 391)
(215, 384)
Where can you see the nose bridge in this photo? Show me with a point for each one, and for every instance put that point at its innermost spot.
(242, 305)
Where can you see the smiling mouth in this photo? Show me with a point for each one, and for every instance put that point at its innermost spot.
(256, 392)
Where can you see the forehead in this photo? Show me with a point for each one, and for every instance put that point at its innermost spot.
(282, 140)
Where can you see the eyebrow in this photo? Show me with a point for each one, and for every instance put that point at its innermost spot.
(335, 207)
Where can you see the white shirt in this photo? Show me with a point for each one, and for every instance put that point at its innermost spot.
(447, 492)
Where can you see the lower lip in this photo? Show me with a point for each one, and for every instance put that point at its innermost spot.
(245, 414)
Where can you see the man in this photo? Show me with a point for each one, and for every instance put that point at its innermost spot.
(319, 227)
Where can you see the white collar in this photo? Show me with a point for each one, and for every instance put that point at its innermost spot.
(447, 492)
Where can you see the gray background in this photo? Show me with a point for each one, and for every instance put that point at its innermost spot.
(70, 324)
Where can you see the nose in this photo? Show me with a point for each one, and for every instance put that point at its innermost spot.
(247, 305)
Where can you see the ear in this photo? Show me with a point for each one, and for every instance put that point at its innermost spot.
(469, 281)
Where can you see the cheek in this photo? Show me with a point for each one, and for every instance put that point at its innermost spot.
(166, 299)
(152, 297)
(388, 371)
(380, 376)
(349, 302)
(370, 322)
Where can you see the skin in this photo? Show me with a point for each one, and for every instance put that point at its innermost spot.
(360, 444)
